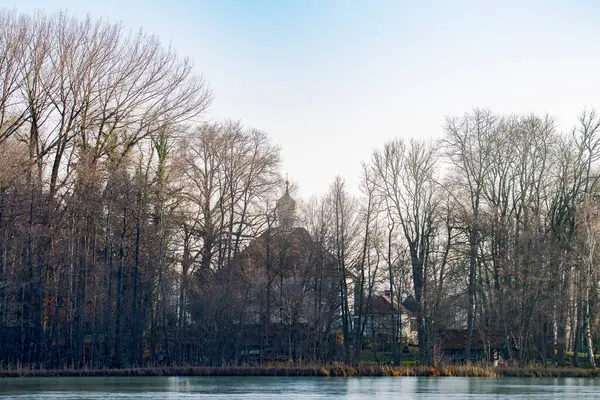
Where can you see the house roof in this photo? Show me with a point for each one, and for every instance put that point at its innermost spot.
(381, 304)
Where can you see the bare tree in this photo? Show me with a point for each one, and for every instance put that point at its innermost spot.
(468, 144)
(343, 209)
(407, 178)
(13, 36)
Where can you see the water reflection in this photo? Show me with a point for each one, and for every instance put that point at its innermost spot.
(106, 388)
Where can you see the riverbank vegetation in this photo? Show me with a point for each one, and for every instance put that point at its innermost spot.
(337, 370)
(133, 233)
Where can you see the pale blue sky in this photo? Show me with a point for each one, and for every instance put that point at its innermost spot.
(329, 81)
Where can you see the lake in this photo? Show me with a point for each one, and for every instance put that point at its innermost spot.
(298, 388)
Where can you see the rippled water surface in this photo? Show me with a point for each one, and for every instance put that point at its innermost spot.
(297, 388)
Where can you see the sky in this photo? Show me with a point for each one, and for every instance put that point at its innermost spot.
(330, 81)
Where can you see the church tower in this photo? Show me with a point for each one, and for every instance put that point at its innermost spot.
(286, 209)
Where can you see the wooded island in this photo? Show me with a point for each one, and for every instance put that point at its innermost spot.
(133, 233)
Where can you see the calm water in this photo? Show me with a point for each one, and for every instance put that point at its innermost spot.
(297, 388)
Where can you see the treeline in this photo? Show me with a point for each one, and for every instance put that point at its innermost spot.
(124, 222)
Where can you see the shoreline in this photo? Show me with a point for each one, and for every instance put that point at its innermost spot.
(315, 371)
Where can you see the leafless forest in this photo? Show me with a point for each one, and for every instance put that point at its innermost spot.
(126, 222)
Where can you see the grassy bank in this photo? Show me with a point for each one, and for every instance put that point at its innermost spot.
(324, 371)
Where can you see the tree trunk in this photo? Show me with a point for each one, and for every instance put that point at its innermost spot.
(587, 332)
(471, 291)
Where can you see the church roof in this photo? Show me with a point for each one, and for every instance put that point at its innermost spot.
(298, 244)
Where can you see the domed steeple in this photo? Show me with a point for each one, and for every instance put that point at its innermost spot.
(286, 209)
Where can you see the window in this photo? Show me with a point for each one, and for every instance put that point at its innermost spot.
(413, 324)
